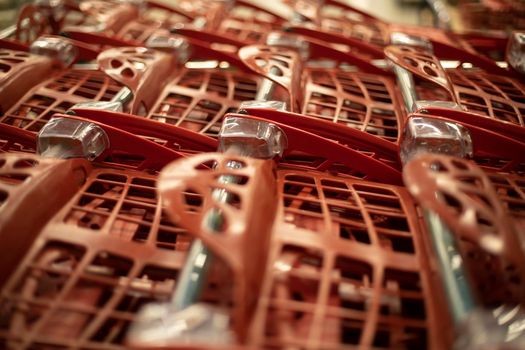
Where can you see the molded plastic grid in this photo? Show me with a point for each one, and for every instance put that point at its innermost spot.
(124, 204)
(369, 32)
(9, 146)
(451, 187)
(363, 213)
(311, 162)
(14, 171)
(356, 100)
(151, 20)
(74, 296)
(341, 284)
(496, 164)
(58, 95)
(494, 96)
(492, 15)
(198, 99)
(248, 24)
(81, 288)
(319, 163)
(138, 31)
(250, 32)
(163, 16)
(511, 192)
(10, 58)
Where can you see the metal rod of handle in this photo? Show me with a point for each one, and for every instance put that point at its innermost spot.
(457, 288)
(469, 316)
(8, 32)
(267, 88)
(440, 14)
(123, 96)
(476, 327)
(117, 104)
(194, 273)
(407, 86)
(405, 78)
(192, 277)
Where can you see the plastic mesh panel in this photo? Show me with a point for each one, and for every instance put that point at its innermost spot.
(250, 32)
(359, 101)
(494, 96)
(152, 19)
(511, 191)
(198, 99)
(7, 146)
(318, 163)
(333, 294)
(450, 187)
(138, 31)
(93, 85)
(10, 59)
(495, 15)
(365, 31)
(70, 295)
(248, 24)
(124, 205)
(163, 16)
(58, 95)
(374, 214)
(500, 164)
(109, 251)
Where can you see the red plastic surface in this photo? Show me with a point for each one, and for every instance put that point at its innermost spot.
(311, 152)
(197, 99)
(106, 252)
(166, 134)
(57, 95)
(423, 65)
(467, 202)
(282, 66)
(494, 14)
(350, 137)
(132, 151)
(495, 96)
(25, 184)
(493, 151)
(31, 24)
(13, 139)
(249, 23)
(19, 72)
(143, 71)
(504, 128)
(365, 102)
(112, 15)
(348, 23)
(100, 39)
(345, 266)
(354, 45)
(492, 95)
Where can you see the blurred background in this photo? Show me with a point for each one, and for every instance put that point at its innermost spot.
(8, 9)
(396, 11)
(461, 15)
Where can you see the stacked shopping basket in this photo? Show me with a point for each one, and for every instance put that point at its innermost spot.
(214, 175)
